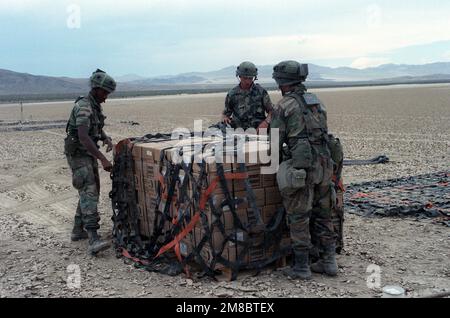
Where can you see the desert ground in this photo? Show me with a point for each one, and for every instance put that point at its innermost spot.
(409, 124)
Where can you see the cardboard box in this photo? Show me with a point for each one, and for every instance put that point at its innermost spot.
(254, 235)
(254, 216)
(150, 204)
(151, 171)
(250, 256)
(254, 177)
(138, 184)
(210, 178)
(259, 197)
(234, 252)
(210, 218)
(273, 196)
(248, 153)
(151, 152)
(211, 166)
(268, 213)
(150, 177)
(207, 255)
(256, 254)
(285, 243)
(216, 241)
(136, 152)
(188, 150)
(269, 180)
(142, 212)
(241, 199)
(144, 224)
(147, 171)
(150, 213)
(228, 218)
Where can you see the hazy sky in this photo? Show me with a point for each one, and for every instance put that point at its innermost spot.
(155, 37)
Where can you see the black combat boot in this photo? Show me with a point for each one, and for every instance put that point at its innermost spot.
(300, 269)
(78, 232)
(314, 254)
(95, 243)
(327, 262)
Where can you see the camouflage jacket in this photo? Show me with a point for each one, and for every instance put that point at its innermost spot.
(86, 112)
(247, 108)
(302, 122)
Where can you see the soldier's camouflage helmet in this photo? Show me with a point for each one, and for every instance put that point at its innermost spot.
(290, 73)
(247, 69)
(100, 79)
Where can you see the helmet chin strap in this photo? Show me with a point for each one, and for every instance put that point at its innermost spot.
(241, 84)
(97, 98)
(288, 89)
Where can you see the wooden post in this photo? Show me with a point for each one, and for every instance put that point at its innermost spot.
(21, 112)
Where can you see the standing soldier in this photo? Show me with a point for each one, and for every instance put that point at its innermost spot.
(84, 130)
(305, 174)
(246, 104)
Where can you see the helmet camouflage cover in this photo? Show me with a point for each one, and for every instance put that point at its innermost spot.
(247, 69)
(100, 79)
(290, 72)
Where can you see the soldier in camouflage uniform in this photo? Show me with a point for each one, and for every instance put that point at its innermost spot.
(246, 105)
(305, 174)
(84, 130)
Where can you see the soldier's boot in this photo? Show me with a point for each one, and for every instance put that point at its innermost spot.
(96, 244)
(314, 254)
(78, 232)
(327, 262)
(300, 269)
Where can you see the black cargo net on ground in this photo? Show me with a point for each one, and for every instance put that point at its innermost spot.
(161, 251)
(422, 196)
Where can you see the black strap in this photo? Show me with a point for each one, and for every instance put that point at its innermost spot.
(376, 160)
(302, 103)
(255, 211)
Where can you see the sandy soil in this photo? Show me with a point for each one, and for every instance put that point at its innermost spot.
(409, 124)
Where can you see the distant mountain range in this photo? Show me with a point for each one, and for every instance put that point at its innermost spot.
(13, 83)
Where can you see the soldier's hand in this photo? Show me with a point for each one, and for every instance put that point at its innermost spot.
(107, 165)
(263, 125)
(227, 120)
(109, 143)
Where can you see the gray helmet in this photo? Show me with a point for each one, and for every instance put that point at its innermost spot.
(290, 73)
(247, 69)
(100, 79)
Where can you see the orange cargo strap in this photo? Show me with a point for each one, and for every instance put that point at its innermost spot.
(164, 195)
(204, 198)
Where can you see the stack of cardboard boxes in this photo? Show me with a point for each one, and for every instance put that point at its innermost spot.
(151, 162)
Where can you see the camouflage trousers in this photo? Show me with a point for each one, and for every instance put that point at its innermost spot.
(312, 203)
(85, 178)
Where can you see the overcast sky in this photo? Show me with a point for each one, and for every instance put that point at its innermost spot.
(157, 37)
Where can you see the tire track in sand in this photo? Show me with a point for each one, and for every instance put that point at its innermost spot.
(45, 170)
